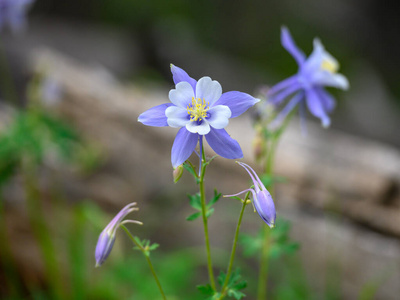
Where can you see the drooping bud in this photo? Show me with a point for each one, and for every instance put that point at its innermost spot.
(177, 173)
(107, 236)
(262, 200)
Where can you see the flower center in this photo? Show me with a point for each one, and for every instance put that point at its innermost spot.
(329, 65)
(198, 109)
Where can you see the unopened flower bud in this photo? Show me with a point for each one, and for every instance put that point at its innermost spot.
(177, 173)
(262, 200)
(107, 236)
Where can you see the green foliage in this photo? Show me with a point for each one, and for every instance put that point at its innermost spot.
(34, 135)
(145, 246)
(192, 170)
(290, 282)
(235, 284)
(195, 202)
(232, 289)
(369, 290)
(280, 242)
(129, 277)
(207, 291)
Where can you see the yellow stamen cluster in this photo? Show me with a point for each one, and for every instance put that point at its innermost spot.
(330, 65)
(198, 109)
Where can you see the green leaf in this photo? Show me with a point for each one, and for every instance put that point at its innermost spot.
(214, 200)
(138, 241)
(154, 247)
(251, 245)
(280, 242)
(195, 201)
(216, 296)
(209, 212)
(193, 216)
(191, 169)
(235, 284)
(207, 291)
(221, 278)
(210, 160)
(235, 294)
(240, 285)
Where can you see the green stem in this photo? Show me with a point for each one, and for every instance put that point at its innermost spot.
(205, 222)
(147, 258)
(235, 240)
(263, 273)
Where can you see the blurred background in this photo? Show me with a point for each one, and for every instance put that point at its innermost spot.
(72, 153)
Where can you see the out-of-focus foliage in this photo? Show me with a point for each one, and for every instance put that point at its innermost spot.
(32, 135)
(35, 136)
(279, 240)
(195, 202)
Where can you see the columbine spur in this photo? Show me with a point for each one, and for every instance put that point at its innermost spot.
(307, 86)
(262, 199)
(107, 236)
(12, 13)
(199, 108)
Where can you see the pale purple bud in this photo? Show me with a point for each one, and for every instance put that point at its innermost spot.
(262, 199)
(107, 236)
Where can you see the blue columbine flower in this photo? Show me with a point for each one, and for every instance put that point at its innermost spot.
(12, 13)
(315, 72)
(200, 109)
(107, 236)
(262, 199)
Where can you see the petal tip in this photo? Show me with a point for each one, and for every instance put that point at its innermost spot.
(346, 84)
(326, 123)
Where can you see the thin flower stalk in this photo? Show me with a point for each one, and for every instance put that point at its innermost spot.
(153, 272)
(205, 221)
(233, 252)
(264, 258)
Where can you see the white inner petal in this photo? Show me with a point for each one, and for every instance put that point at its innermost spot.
(176, 116)
(219, 116)
(209, 90)
(328, 79)
(201, 129)
(182, 94)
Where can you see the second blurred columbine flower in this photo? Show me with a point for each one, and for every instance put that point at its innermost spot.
(107, 236)
(12, 13)
(262, 199)
(199, 108)
(307, 86)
